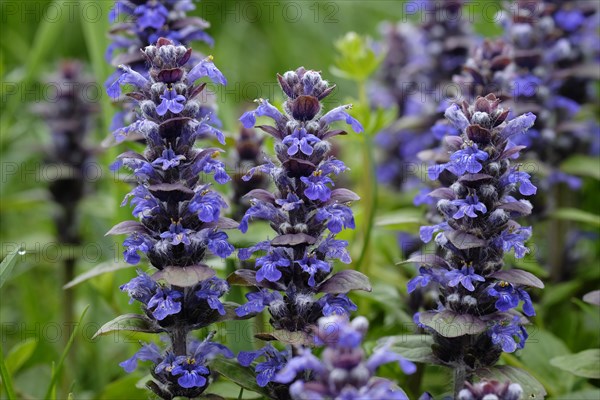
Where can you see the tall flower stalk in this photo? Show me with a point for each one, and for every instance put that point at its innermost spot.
(70, 119)
(179, 222)
(293, 273)
(556, 66)
(476, 317)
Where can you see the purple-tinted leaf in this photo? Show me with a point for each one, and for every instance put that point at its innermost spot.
(510, 152)
(126, 227)
(518, 207)
(519, 277)
(463, 240)
(431, 260)
(242, 277)
(271, 130)
(293, 239)
(227, 223)
(345, 281)
(128, 322)
(299, 168)
(343, 196)
(184, 276)
(451, 324)
(475, 177)
(297, 338)
(333, 133)
(171, 192)
(131, 154)
(443, 193)
(592, 297)
(262, 195)
(453, 142)
(172, 127)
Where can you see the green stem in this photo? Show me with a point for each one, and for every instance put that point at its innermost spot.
(460, 375)
(369, 199)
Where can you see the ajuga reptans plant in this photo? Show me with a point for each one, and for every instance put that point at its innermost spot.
(476, 317)
(179, 220)
(293, 275)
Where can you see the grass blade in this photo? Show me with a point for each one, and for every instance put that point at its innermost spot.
(56, 371)
(6, 378)
(8, 264)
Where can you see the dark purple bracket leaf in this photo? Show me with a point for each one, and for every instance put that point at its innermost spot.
(463, 240)
(345, 281)
(518, 277)
(431, 260)
(293, 239)
(184, 276)
(451, 324)
(126, 227)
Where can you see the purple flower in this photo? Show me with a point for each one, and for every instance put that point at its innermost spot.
(569, 19)
(266, 370)
(514, 238)
(509, 297)
(426, 232)
(468, 207)
(268, 266)
(457, 117)
(140, 288)
(206, 68)
(466, 160)
(335, 249)
(259, 210)
(384, 355)
(316, 187)
(506, 333)
(337, 305)
(211, 290)
(133, 244)
(177, 234)
(518, 125)
(300, 140)
(168, 160)
(128, 76)
(339, 114)
(264, 110)
(464, 276)
(191, 374)
(217, 243)
(526, 188)
(304, 361)
(148, 352)
(210, 164)
(257, 301)
(526, 85)
(290, 203)
(425, 276)
(171, 101)
(311, 266)
(165, 302)
(207, 204)
(151, 15)
(338, 217)
(332, 166)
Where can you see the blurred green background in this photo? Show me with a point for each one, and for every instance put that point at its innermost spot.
(254, 40)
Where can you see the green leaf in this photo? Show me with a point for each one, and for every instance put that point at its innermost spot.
(128, 322)
(8, 264)
(574, 214)
(100, 269)
(243, 376)
(124, 388)
(585, 363)
(532, 389)
(451, 324)
(541, 347)
(230, 390)
(56, 371)
(356, 60)
(415, 348)
(6, 378)
(19, 354)
(582, 395)
(582, 166)
(401, 219)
